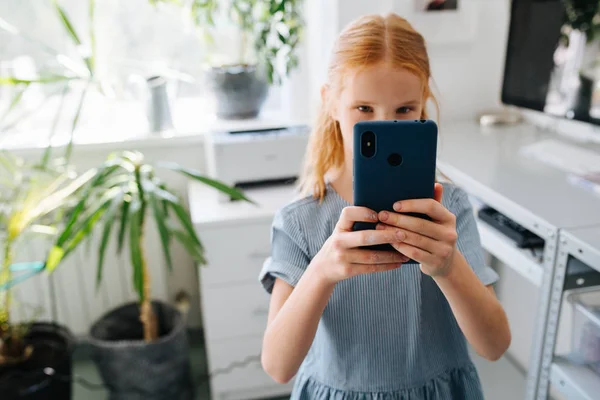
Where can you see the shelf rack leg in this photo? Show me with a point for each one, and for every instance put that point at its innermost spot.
(538, 371)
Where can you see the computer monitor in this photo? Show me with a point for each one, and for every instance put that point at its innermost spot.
(552, 62)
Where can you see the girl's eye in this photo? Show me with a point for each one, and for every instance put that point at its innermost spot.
(364, 109)
(404, 110)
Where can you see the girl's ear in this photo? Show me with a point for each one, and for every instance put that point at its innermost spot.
(328, 102)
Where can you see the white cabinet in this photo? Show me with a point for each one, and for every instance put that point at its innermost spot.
(236, 237)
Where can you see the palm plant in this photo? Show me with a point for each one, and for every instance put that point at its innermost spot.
(120, 197)
(32, 200)
(68, 73)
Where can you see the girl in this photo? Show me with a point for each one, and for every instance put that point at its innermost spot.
(350, 323)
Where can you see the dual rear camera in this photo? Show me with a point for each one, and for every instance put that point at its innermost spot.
(368, 148)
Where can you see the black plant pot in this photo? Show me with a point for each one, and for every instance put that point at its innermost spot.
(47, 373)
(239, 91)
(133, 369)
(583, 100)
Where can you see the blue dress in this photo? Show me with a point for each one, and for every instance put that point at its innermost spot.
(387, 335)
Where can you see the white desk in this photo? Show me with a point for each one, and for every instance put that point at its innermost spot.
(488, 164)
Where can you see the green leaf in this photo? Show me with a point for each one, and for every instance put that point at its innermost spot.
(12, 81)
(57, 115)
(75, 122)
(69, 28)
(108, 223)
(135, 232)
(43, 229)
(181, 214)
(123, 225)
(230, 191)
(92, 14)
(67, 23)
(8, 161)
(58, 198)
(165, 236)
(196, 252)
(54, 258)
(86, 226)
(14, 102)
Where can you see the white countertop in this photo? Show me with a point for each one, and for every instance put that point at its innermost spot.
(489, 162)
(207, 208)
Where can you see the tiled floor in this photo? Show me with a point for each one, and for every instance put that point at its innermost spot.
(500, 379)
(85, 368)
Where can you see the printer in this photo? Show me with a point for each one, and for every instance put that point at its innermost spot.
(269, 155)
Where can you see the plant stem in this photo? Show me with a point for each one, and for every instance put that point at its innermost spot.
(147, 316)
(5, 277)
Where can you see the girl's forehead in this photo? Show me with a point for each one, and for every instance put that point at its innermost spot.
(382, 80)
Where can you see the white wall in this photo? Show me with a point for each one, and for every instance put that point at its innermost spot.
(466, 49)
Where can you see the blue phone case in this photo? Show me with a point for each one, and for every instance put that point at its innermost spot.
(402, 165)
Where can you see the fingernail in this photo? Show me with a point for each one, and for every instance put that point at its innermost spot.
(373, 217)
(383, 216)
(400, 235)
(397, 206)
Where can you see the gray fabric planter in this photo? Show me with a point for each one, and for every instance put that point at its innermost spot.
(239, 91)
(133, 369)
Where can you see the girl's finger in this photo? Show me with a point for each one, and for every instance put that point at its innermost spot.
(368, 237)
(419, 255)
(352, 214)
(413, 224)
(359, 269)
(430, 207)
(414, 239)
(363, 256)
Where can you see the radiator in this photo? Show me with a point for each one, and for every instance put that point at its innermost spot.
(69, 295)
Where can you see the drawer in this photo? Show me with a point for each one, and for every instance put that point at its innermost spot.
(235, 254)
(243, 381)
(234, 310)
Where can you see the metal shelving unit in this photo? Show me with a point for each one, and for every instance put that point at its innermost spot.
(575, 381)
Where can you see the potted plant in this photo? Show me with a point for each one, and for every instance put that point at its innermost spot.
(268, 34)
(140, 348)
(31, 200)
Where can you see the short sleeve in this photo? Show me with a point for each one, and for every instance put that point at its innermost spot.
(289, 253)
(469, 242)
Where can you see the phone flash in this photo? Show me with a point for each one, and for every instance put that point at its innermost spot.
(369, 144)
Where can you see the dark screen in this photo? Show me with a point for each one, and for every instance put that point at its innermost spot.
(550, 66)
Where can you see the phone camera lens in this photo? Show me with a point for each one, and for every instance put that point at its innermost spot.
(368, 146)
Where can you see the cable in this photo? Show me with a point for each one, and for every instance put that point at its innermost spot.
(49, 373)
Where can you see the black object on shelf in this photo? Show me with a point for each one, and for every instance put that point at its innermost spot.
(580, 275)
(523, 238)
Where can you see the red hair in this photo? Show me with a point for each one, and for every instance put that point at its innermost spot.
(365, 42)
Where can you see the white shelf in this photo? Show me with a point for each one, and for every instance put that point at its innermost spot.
(504, 249)
(576, 382)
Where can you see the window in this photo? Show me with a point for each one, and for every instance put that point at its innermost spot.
(133, 39)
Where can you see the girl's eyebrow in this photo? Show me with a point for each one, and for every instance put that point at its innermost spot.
(412, 102)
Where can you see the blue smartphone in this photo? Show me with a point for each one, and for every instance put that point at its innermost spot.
(393, 161)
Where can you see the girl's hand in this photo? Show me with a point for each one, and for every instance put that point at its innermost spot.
(340, 258)
(431, 243)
